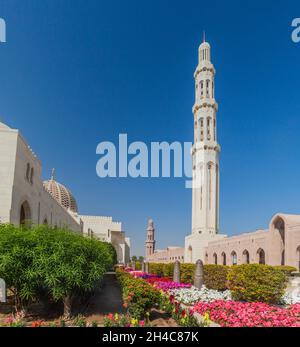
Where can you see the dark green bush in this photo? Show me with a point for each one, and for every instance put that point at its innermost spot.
(55, 263)
(256, 282)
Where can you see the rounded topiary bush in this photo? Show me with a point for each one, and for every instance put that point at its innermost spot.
(255, 282)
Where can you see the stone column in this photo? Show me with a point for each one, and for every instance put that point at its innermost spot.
(199, 274)
(176, 274)
(147, 267)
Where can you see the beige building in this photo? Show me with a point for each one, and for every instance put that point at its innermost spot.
(25, 197)
(277, 245)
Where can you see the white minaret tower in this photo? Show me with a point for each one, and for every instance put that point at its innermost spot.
(205, 152)
(205, 158)
(150, 241)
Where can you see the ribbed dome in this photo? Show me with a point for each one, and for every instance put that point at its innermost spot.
(61, 194)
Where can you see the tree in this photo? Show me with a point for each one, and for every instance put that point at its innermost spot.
(58, 263)
(70, 264)
(134, 258)
(16, 264)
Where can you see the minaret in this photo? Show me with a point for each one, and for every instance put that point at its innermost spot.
(205, 151)
(150, 242)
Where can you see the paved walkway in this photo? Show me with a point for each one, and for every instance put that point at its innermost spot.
(108, 299)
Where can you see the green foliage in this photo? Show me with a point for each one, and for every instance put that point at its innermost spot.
(17, 251)
(138, 265)
(187, 273)
(156, 268)
(80, 321)
(286, 269)
(138, 295)
(57, 262)
(215, 276)
(168, 270)
(255, 282)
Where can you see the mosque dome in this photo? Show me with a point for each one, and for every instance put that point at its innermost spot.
(61, 194)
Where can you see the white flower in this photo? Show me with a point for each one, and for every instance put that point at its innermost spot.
(190, 296)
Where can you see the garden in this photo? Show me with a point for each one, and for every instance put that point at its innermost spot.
(57, 278)
(50, 275)
(238, 296)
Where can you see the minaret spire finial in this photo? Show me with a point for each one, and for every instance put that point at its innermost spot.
(53, 174)
(204, 40)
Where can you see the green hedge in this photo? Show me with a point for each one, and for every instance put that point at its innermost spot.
(256, 282)
(215, 276)
(286, 269)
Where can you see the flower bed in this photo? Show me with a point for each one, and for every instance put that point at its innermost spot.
(166, 286)
(116, 320)
(190, 296)
(242, 314)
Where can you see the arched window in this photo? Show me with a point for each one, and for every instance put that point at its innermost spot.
(223, 255)
(246, 257)
(215, 257)
(208, 128)
(201, 130)
(27, 172)
(45, 222)
(233, 258)
(201, 89)
(206, 258)
(207, 88)
(31, 175)
(215, 130)
(261, 257)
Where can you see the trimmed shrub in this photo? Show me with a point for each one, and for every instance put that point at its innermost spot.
(256, 282)
(187, 273)
(156, 269)
(168, 270)
(215, 276)
(286, 269)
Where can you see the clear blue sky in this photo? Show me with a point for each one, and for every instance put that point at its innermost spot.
(74, 73)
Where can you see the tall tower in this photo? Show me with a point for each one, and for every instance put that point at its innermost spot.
(150, 242)
(205, 151)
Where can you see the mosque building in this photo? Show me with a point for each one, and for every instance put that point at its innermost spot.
(25, 197)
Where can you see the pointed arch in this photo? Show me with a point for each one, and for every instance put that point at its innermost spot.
(261, 256)
(25, 213)
(246, 257)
